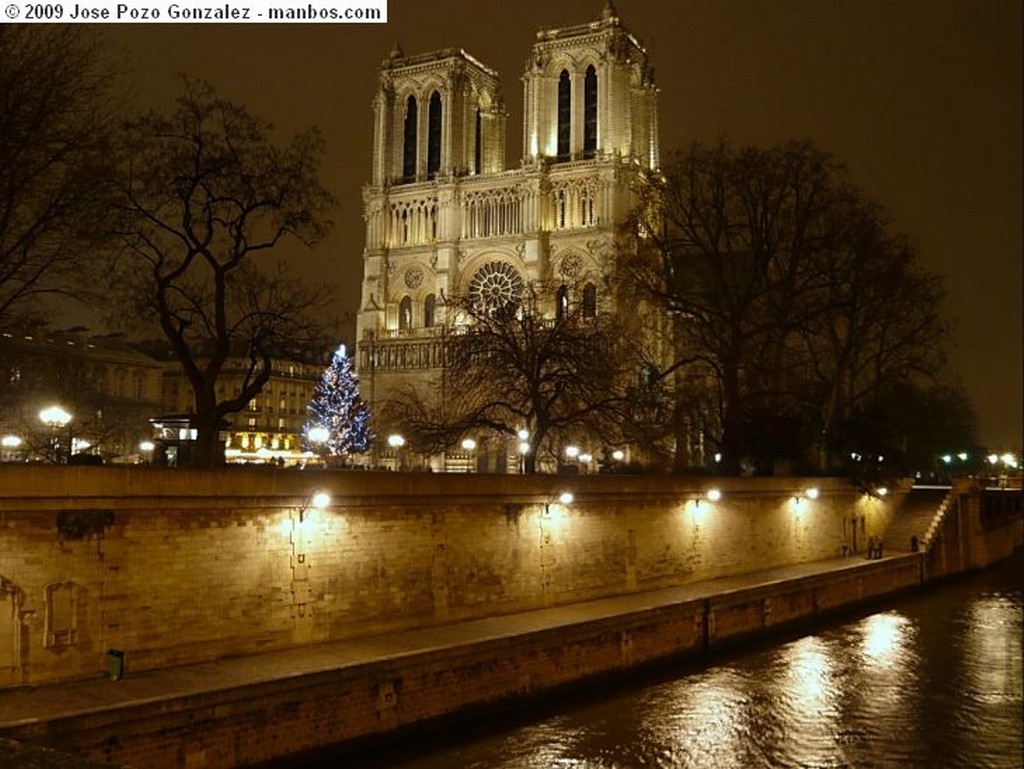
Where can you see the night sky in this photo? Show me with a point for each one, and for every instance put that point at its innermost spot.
(920, 98)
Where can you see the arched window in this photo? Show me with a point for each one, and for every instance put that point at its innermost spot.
(562, 301)
(409, 141)
(478, 148)
(590, 301)
(564, 115)
(405, 313)
(434, 135)
(429, 310)
(590, 113)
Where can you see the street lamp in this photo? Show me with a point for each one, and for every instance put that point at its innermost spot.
(56, 419)
(146, 447)
(396, 442)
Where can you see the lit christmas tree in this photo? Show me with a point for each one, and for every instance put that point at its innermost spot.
(339, 421)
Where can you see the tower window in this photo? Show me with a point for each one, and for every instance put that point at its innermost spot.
(434, 135)
(590, 113)
(478, 147)
(409, 141)
(564, 115)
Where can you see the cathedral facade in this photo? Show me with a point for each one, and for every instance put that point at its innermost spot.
(445, 217)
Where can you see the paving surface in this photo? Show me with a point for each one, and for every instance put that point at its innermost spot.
(43, 703)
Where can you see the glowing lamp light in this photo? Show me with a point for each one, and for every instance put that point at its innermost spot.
(618, 455)
(572, 452)
(10, 441)
(713, 495)
(881, 491)
(566, 497)
(147, 446)
(320, 500)
(811, 493)
(523, 435)
(962, 456)
(54, 416)
(992, 458)
(396, 441)
(469, 444)
(585, 457)
(524, 448)
(319, 434)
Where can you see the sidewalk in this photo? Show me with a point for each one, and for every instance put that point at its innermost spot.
(51, 702)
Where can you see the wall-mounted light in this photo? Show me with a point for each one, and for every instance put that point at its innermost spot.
(564, 498)
(318, 500)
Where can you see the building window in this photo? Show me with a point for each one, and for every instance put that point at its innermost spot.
(564, 115)
(590, 113)
(405, 313)
(590, 301)
(429, 310)
(409, 146)
(434, 136)
(562, 302)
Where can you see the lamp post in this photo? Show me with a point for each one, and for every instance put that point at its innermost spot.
(57, 419)
(318, 436)
(469, 446)
(396, 442)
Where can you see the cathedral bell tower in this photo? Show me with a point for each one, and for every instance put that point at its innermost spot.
(589, 92)
(436, 115)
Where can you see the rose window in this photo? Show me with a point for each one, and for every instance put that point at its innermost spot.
(496, 285)
(414, 278)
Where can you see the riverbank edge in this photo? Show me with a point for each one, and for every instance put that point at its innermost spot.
(379, 686)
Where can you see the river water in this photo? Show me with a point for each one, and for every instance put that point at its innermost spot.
(931, 681)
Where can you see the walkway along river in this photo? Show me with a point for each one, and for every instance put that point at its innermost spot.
(932, 681)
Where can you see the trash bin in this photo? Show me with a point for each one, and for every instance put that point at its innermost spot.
(115, 661)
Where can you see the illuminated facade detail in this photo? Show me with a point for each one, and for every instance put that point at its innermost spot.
(444, 215)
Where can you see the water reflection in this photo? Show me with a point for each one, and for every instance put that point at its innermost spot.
(933, 683)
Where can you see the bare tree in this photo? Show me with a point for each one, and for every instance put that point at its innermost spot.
(788, 291)
(205, 199)
(525, 365)
(56, 117)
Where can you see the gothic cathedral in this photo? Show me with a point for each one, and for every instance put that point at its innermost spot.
(445, 217)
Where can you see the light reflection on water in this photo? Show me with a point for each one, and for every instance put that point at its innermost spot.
(933, 682)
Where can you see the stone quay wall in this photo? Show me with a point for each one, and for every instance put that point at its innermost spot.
(242, 726)
(172, 567)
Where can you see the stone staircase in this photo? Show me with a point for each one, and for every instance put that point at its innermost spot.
(920, 509)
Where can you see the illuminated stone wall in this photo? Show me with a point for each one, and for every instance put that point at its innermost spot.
(175, 567)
